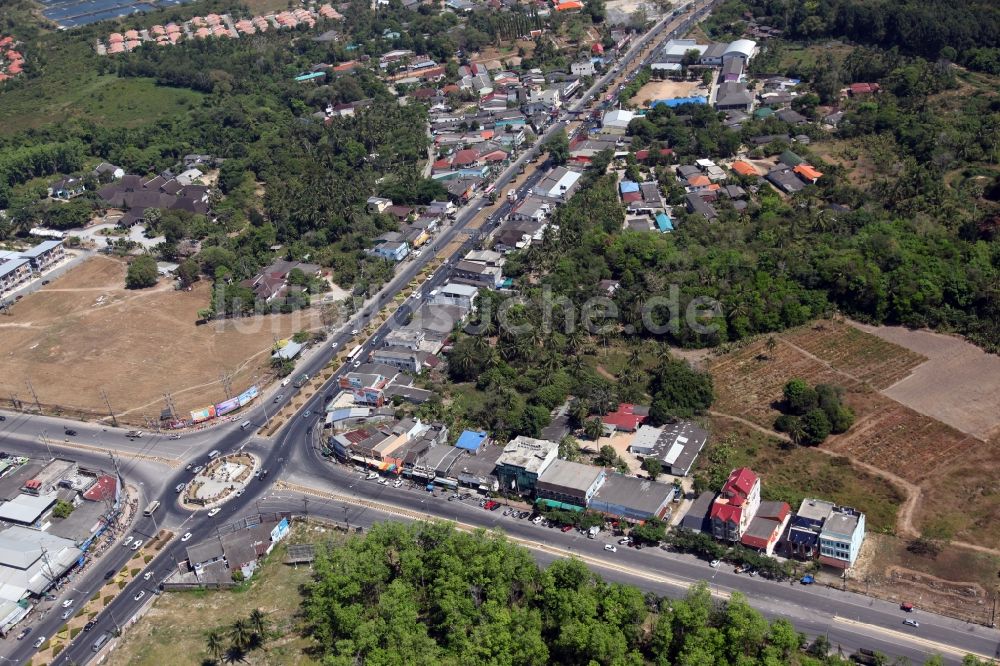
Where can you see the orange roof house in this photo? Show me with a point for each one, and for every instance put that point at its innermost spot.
(744, 168)
(807, 173)
(569, 5)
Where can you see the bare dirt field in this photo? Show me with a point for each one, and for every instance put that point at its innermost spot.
(959, 384)
(951, 477)
(665, 90)
(86, 332)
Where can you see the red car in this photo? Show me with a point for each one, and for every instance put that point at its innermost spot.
(491, 505)
(567, 528)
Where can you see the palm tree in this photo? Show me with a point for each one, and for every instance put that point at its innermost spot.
(241, 634)
(215, 644)
(258, 622)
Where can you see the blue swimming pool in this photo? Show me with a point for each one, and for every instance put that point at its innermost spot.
(72, 13)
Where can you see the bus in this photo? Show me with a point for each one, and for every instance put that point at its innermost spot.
(355, 353)
(153, 506)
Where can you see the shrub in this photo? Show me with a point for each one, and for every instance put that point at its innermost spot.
(73, 632)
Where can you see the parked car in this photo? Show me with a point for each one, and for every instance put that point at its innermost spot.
(110, 574)
(214, 512)
(715, 563)
(190, 466)
(179, 488)
(197, 468)
(24, 632)
(906, 606)
(807, 580)
(371, 476)
(175, 436)
(397, 483)
(186, 536)
(214, 454)
(239, 492)
(537, 520)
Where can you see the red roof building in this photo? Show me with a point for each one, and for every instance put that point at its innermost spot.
(736, 505)
(597, 48)
(104, 489)
(856, 89)
(767, 527)
(632, 197)
(744, 168)
(627, 418)
(467, 157)
(643, 155)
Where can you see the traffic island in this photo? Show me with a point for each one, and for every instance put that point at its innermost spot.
(220, 480)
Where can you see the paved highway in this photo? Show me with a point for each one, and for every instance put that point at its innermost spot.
(156, 462)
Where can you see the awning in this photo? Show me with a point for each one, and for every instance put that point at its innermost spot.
(553, 504)
(451, 483)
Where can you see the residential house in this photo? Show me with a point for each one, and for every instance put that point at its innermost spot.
(272, 281)
(396, 251)
(106, 172)
(585, 68)
(43, 255)
(14, 271)
(627, 417)
(559, 184)
(736, 505)
(460, 295)
(66, 188)
(767, 527)
(841, 538)
(696, 204)
(783, 178)
(378, 204)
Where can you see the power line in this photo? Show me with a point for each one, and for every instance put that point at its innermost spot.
(111, 412)
(33, 394)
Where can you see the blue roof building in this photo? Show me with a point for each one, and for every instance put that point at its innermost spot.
(679, 101)
(664, 223)
(472, 440)
(627, 186)
(312, 76)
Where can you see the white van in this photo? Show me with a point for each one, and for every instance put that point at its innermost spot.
(245, 425)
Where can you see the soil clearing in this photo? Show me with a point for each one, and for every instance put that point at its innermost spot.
(959, 384)
(85, 332)
(954, 473)
(655, 90)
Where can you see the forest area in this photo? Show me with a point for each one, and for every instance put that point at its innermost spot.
(428, 594)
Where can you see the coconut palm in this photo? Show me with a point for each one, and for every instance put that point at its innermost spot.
(241, 634)
(258, 622)
(216, 644)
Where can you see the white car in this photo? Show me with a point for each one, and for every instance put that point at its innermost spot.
(186, 537)
(397, 483)
(354, 331)
(715, 563)
(147, 575)
(128, 541)
(536, 520)
(609, 547)
(371, 476)
(214, 512)
(38, 642)
(333, 346)
(68, 603)
(239, 492)
(137, 545)
(140, 595)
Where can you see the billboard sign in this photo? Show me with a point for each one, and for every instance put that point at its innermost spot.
(279, 531)
(227, 406)
(203, 414)
(248, 395)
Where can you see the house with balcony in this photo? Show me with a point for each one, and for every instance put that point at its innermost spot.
(841, 538)
(737, 504)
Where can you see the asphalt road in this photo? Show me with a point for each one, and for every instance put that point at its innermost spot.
(155, 463)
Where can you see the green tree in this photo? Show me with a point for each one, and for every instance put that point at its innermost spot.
(593, 429)
(653, 467)
(215, 643)
(142, 273)
(816, 426)
(62, 509)
(799, 396)
(569, 448)
(653, 531)
(558, 147)
(187, 272)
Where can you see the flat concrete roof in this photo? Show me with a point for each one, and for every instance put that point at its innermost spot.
(640, 495)
(562, 474)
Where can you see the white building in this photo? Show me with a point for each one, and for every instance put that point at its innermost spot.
(617, 119)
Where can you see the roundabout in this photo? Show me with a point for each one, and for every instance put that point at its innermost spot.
(222, 479)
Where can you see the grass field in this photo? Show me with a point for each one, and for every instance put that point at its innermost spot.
(86, 332)
(173, 632)
(106, 100)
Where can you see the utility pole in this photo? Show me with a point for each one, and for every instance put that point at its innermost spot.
(170, 405)
(111, 412)
(45, 440)
(227, 383)
(14, 402)
(305, 505)
(118, 472)
(33, 394)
